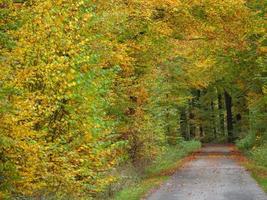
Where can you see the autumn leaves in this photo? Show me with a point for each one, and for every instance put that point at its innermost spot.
(89, 85)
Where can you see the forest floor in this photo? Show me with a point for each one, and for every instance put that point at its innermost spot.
(215, 173)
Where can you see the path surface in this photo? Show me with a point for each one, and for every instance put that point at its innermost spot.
(212, 175)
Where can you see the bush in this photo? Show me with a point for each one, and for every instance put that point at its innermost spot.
(247, 142)
(259, 155)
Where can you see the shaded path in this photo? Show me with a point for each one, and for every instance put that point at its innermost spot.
(213, 175)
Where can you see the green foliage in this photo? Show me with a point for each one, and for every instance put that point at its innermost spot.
(259, 155)
(87, 86)
(247, 142)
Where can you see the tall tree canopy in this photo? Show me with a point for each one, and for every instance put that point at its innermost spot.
(87, 86)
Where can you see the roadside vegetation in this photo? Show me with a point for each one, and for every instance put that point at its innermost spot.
(255, 148)
(157, 172)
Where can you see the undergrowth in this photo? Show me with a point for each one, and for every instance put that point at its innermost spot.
(255, 148)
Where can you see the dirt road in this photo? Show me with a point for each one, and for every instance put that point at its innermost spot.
(214, 174)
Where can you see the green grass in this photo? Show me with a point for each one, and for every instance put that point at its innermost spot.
(259, 173)
(137, 191)
(257, 160)
(262, 182)
(158, 172)
(256, 150)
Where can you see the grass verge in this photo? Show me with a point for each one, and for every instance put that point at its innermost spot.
(257, 158)
(259, 173)
(158, 172)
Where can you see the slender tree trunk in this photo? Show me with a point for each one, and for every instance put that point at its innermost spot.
(213, 120)
(168, 131)
(201, 131)
(229, 117)
(221, 115)
(199, 115)
(183, 124)
(191, 120)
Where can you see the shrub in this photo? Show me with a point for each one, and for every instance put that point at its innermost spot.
(259, 154)
(247, 142)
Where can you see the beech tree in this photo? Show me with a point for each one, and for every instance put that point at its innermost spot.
(88, 86)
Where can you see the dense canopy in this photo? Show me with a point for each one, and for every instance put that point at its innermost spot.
(87, 86)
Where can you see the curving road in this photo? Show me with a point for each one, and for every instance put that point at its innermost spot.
(212, 175)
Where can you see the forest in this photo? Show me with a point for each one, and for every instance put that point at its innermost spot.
(93, 91)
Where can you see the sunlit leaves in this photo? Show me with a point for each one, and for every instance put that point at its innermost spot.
(87, 85)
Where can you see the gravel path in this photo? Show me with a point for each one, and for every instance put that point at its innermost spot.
(213, 175)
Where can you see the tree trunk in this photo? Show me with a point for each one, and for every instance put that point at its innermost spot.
(229, 117)
(201, 131)
(213, 120)
(168, 131)
(221, 115)
(199, 117)
(183, 124)
(191, 120)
